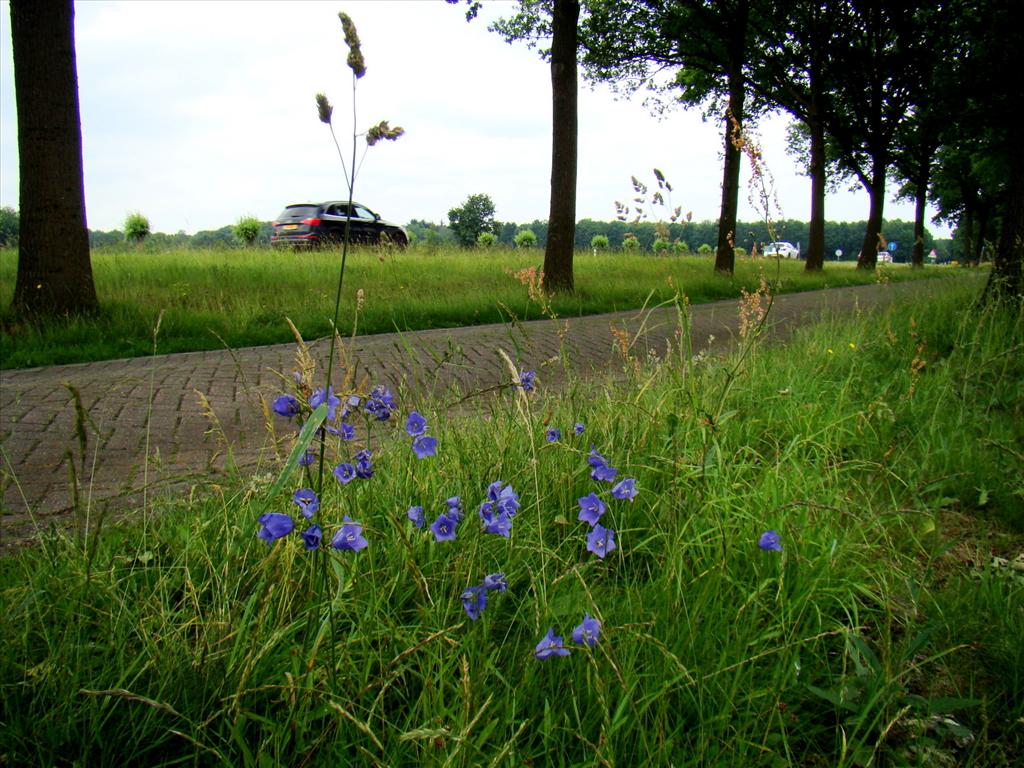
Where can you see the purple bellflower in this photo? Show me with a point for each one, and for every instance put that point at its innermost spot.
(588, 631)
(311, 537)
(415, 425)
(474, 600)
(332, 400)
(495, 581)
(600, 540)
(349, 536)
(591, 508)
(286, 405)
(504, 498)
(444, 528)
(454, 513)
(550, 645)
(274, 525)
(770, 541)
(416, 515)
(345, 473)
(424, 446)
(380, 403)
(307, 502)
(625, 489)
(599, 467)
(500, 524)
(364, 465)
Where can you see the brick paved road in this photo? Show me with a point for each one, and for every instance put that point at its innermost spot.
(37, 425)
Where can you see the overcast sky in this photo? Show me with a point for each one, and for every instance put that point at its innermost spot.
(198, 112)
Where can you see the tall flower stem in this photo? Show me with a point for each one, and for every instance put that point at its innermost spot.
(351, 181)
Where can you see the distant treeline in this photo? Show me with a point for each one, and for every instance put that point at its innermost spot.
(843, 235)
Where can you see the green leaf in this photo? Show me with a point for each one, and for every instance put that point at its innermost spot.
(830, 696)
(943, 704)
(711, 460)
(920, 640)
(863, 651)
(301, 444)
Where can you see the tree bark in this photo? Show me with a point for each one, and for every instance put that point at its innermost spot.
(965, 233)
(920, 202)
(816, 235)
(725, 255)
(54, 270)
(735, 56)
(561, 240)
(868, 258)
(982, 216)
(1006, 280)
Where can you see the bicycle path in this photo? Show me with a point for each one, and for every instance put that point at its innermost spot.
(146, 432)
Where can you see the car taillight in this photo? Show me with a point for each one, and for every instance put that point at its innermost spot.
(312, 222)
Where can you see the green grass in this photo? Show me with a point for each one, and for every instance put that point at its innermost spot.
(239, 298)
(880, 634)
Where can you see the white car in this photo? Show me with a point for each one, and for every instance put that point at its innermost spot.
(783, 250)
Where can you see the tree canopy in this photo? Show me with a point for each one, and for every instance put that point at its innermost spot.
(472, 219)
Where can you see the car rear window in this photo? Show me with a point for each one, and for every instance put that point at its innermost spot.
(298, 211)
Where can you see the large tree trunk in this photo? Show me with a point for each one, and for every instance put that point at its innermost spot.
(868, 258)
(1006, 280)
(562, 216)
(920, 202)
(816, 238)
(725, 255)
(965, 233)
(983, 217)
(54, 271)
(816, 130)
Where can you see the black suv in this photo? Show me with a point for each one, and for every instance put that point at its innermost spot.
(315, 224)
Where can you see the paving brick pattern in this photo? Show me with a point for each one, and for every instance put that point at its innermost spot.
(150, 407)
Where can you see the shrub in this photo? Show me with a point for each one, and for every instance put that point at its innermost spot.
(705, 249)
(136, 227)
(680, 247)
(247, 229)
(630, 243)
(525, 238)
(739, 251)
(599, 242)
(486, 239)
(660, 246)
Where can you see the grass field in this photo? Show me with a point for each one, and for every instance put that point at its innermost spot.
(887, 629)
(237, 298)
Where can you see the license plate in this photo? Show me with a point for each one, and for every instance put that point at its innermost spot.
(290, 226)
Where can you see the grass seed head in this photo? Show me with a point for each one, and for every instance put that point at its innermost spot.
(355, 54)
(383, 131)
(323, 108)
